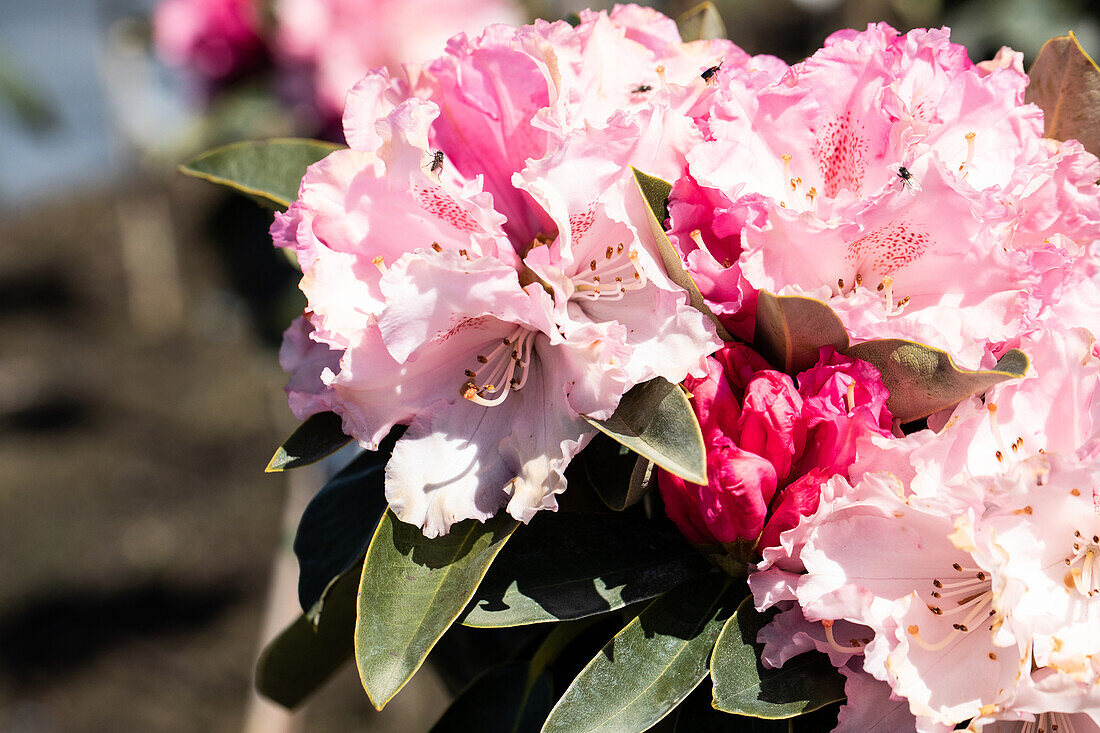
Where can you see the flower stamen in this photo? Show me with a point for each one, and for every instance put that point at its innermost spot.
(611, 276)
(971, 596)
(506, 368)
(964, 169)
(1084, 573)
(855, 646)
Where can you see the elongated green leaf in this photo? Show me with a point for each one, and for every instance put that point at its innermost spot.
(337, 525)
(305, 655)
(923, 380)
(790, 329)
(319, 436)
(655, 192)
(269, 171)
(652, 664)
(610, 468)
(1065, 83)
(496, 703)
(742, 685)
(412, 590)
(655, 420)
(568, 566)
(701, 23)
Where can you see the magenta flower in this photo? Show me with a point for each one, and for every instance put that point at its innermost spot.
(770, 445)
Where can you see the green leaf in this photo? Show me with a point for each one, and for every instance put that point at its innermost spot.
(701, 23)
(337, 525)
(743, 686)
(1065, 83)
(568, 566)
(655, 420)
(495, 703)
(412, 590)
(655, 193)
(269, 171)
(652, 664)
(319, 436)
(611, 467)
(308, 652)
(923, 379)
(790, 329)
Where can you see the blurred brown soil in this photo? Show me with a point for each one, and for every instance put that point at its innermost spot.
(137, 528)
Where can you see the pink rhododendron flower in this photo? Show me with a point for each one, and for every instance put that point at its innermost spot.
(757, 426)
(483, 271)
(897, 568)
(309, 364)
(218, 39)
(800, 191)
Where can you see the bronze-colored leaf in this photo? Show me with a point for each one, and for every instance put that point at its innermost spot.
(923, 379)
(790, 329)
(1065, 83)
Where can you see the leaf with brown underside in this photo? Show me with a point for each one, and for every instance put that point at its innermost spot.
(1065, 83)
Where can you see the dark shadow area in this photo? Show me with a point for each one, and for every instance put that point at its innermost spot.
(695, 715)
(53, 413)
(64, 630)
(259, 273)
(463, 653)
(40, 292)
(574, 565)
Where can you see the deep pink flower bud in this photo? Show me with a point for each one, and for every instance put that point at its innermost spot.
(762, 434)
(771, 420)
(716, 405)
(844, 398)
(799, 499)
(732, 506)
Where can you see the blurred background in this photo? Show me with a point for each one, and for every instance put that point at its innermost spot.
(144, 554)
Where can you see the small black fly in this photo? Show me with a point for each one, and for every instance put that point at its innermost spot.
(908, 181)
(710, 76)
(437, 162)
(642, 89)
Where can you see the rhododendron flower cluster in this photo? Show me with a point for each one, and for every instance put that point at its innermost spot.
(483, 266)
(815, 204)
(478, 256)
(963, 563)
(950, 573)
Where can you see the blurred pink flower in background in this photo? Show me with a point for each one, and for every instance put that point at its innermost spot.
(318, 49)
(335, 42)
(218, 39)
